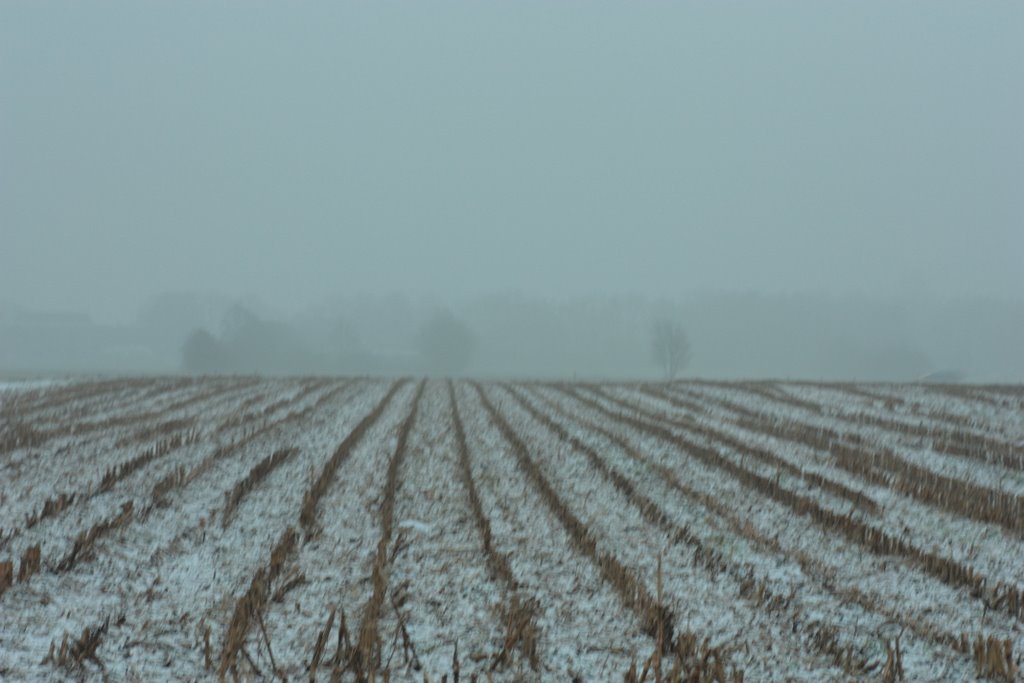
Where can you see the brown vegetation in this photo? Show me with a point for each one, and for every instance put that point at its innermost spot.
(654, 618)
(307, 516)
(824, 637)
(257, 474)
(249, 607)
(518, 614)
(851, 456)
(365, 656)
(6, 575)
(30, 560)
(72, 654)
(83, 543)
(995, 594)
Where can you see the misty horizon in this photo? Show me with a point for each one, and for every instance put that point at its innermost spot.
(870, 155)
(732, 336)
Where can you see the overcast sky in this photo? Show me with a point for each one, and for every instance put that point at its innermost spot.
(295, 151)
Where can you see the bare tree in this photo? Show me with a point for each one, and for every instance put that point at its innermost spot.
(446, 344)
(202, 353)
(670, 347)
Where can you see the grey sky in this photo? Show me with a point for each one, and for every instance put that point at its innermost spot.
(299, 151)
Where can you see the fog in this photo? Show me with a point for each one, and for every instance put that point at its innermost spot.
(811, 190)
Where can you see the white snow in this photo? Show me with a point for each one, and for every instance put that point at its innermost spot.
(175, 569)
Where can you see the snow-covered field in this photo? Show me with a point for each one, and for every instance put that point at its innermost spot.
(334, 529)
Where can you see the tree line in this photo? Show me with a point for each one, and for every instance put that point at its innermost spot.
(444, 345)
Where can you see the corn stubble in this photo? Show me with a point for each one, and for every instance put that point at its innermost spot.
(995, 594)
(72, 653)
(366, 656)
(518, 614)
(249, 608)
(257, 474)
(363, 653)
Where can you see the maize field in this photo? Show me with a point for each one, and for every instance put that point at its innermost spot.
(336, 529)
